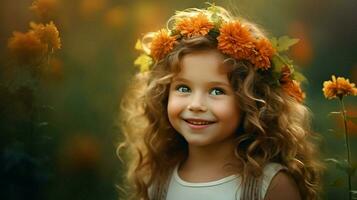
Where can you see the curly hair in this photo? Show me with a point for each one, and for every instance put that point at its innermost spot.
(275, 127)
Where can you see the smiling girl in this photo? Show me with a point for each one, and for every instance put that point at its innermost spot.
(213, 115)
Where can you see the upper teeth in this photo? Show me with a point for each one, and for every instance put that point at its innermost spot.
(199, 123)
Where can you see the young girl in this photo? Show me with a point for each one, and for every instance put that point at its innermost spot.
(216, 113)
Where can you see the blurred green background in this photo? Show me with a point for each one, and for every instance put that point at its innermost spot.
(59, 131)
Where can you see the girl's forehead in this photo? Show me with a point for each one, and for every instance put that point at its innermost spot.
(204, 56)
(202, 67)
(205, 59)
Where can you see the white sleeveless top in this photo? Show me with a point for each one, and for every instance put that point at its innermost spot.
(227, 188)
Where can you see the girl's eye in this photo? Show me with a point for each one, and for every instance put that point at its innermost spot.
(183, 89)
(217, 91)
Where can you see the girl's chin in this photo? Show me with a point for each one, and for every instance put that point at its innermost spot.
(197, 142)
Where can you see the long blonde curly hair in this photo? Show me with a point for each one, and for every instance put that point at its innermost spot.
(275, 126)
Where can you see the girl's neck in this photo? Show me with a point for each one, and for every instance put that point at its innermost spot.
(208, 163)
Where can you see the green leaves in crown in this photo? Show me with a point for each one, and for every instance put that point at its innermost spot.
(279, 60)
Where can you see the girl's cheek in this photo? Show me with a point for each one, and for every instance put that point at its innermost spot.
(226, 110)
(175, 105)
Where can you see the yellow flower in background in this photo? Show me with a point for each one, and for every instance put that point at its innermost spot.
(339, 87)
(27, 48)
(45, 9)
(48, 34)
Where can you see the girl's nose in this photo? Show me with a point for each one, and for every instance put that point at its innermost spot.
(197, 104)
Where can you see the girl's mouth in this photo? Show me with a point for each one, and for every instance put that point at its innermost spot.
(198, 123)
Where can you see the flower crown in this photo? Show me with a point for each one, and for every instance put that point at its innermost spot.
(235, 38)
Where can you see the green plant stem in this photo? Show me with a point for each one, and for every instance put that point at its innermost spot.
(348, 148)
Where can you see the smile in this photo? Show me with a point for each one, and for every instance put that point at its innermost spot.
(199, 122)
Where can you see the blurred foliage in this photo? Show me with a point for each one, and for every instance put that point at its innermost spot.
(58, 120)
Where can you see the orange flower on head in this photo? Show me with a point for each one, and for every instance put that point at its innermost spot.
(262, 54)
(290, 86)
(235, 40)
(48, 34)
(339, 87)
(198, 25)
(162, 44)
(285, 75)
(293, 89)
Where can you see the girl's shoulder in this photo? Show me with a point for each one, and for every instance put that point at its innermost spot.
(269, 172)
(278, 184)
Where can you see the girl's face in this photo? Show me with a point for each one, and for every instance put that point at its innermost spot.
(202, 106)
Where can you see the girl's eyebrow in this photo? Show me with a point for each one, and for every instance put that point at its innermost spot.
(219, 83)
(180, 79)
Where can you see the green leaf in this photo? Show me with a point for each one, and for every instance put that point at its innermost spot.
(217, 20)
(278, 63)
(286, 59)
(274, 42)
(144, 62)
(299, 77)
(138, 45)
(214, 33)
(215, 15)
(282, 61)
(283, 43)
(212, 8)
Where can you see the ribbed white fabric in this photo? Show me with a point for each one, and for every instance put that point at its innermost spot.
(227, 188)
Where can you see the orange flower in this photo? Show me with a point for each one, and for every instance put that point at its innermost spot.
(293, 89)
(162, 44)
(44, 8)
(339, 87)
(262, 54)
(235, 40)
(194, 26)
(27, 48)
(48, 34)
(285, 75)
